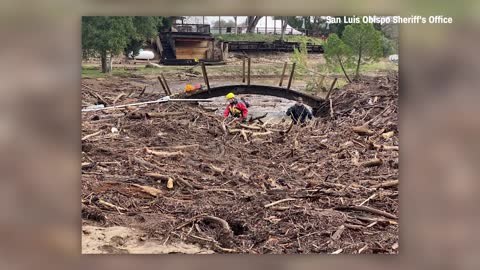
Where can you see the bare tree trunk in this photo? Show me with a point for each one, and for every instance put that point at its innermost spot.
(104, 59)
(110, 61)
(266, 19)
(236, 29)
(357, 72)
(106, 63)
(343, 69)
(252, 22)
(284, 27)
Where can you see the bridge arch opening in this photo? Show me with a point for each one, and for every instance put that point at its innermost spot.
(314, 102)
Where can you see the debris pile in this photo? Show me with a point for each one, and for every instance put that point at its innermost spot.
(181, 174)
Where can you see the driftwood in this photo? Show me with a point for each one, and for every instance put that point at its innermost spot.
(280, 201)
(145, 163)
(91, 135)
(215, 169)
(250, 127)
(367, 209)
(95, 94)
(244, 134)
(226, 228)
(117, 98)
(149, 190)
(110, 205)
(368, 199)
(386, 147)
(158, 176)
(385, 184)
(372, 163)
(163, 114)
(262, 133)
(105, 116)
(363, 130)
(136, 115)
(176, 147)
(164, 153)
(338, 233)
(353, 227)
(252, 119)
(143, 91)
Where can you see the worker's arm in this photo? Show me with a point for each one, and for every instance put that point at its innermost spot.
(226, 112)
(309, 114)
(243, 109)
(289, 111)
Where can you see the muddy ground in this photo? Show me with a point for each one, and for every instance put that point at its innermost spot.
(173, 172)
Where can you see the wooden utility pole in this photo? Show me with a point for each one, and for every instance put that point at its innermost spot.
(205, 76)
(166, 85)
(248, 78)
(219, 26)
(291, 76)
(283, 74)
(243, 70)
(163, 86)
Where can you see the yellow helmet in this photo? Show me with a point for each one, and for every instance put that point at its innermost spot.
(230, 95)
(189, 87)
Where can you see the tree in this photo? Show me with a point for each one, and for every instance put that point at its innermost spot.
(365, 42)
(338, 53)
(337, 28)
(107, 36)
(146, 28)
(252, 22)
(224, 23)
(284, 24)
(110, 35)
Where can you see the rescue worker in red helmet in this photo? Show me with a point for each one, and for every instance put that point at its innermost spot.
(235, 108)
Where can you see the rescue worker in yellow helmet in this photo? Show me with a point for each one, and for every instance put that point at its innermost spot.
(235, 108)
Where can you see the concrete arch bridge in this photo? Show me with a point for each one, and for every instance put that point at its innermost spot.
(316, 103)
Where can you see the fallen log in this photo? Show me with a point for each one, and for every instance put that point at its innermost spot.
(250, 127)
(254, 134)
(363, 130)
(372, 163)
(110, 205)
(244, 134)
(385, 184)
(280, 201)
(149, 190)
(370, 219)
(176, 147)
(368, 199)
(164, 153)
(367, 209)
(145, 163)
(91, 135)
(386, 147)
